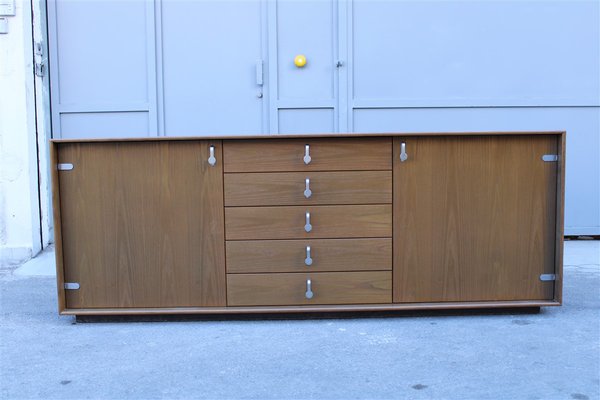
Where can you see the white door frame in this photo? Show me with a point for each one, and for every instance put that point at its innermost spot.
(43, 117)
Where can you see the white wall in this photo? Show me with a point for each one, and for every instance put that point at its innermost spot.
(19, 204)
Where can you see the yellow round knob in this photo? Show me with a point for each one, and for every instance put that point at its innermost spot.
(300, 60)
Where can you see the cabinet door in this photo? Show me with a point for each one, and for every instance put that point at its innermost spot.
(142, 224)
(474, 218)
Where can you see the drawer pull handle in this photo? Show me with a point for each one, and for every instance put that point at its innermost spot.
(307, 154)
(403, 155)
(308, 259)
(307, 191)
(211, 156)
(308, 226)
(309, 294)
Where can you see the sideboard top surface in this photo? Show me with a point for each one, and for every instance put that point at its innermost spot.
(311, 136)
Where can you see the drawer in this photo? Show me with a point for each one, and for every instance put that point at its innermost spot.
(337, 154)
(374, 287)
(289, 222)
(255, 256)
(289, 188)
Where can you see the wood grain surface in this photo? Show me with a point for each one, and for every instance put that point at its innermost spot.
(477, 217)
(340, 154)
(142, 224)
(287, 188)
(327, 288)
(257, 256)
(474, 218)
(287, 222)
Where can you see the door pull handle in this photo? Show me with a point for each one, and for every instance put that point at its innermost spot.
(307, 191)
(308, 260)
(403, 155)
(212, 161)
(308, 226)
(309, 293)
(307, 157)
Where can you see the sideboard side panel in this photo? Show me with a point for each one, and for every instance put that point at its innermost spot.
(60, 279)
(560, 216)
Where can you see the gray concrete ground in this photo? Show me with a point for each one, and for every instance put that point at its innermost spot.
(551, 355)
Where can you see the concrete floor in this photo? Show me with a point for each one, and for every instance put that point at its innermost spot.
(551, 355)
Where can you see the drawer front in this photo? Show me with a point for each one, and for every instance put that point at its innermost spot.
(297, 188)
(256, 256)
(373, 287)
(289, 222)
(339, 154)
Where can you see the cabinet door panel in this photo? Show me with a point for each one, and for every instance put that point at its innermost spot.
(474, 218)
(142, 224)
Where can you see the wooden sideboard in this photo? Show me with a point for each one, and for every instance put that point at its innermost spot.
(352, 222)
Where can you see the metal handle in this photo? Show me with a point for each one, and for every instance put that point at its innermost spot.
(211, 156)
(308, 259)
(307, 191)
(307, 154)
(309, 294)
(403, 155)
(308, 226)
